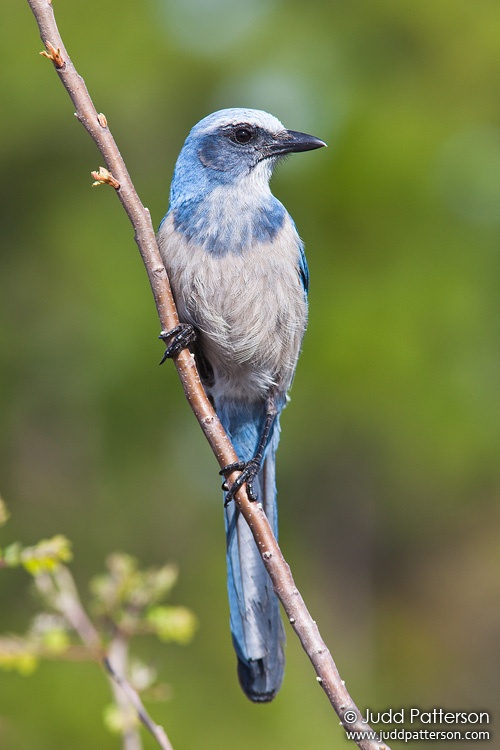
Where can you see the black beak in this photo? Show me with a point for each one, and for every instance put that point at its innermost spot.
(291, 142)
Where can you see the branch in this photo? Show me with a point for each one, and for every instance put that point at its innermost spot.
(118, 655)
(117, 175)
(59, 590)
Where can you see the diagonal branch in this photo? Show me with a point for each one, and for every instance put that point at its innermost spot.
(117, 660)
(279, 571)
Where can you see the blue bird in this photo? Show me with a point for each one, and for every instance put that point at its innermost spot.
(239, 277)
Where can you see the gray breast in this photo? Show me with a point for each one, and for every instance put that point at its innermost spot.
(250, 308)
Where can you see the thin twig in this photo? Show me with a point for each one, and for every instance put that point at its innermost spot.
(59, 590)
(154, 729)
(118, 657)
(284, 586)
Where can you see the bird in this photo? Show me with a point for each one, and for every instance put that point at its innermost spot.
(240, 281)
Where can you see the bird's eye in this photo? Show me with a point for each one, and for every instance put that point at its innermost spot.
(243, 135)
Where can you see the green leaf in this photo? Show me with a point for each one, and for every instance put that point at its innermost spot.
(125, 591)
(12, 555)
(56, 641)
(17, 655)
(176, 624)
(118, 721)
(47, 555)
(50, 631)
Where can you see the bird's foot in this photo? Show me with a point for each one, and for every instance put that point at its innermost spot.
(249, 470)
(180, 337)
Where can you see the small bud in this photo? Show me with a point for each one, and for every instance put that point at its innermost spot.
(53, 54)
(104, 177)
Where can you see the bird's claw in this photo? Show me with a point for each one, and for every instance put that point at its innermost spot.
(182, 335)
(249, 471)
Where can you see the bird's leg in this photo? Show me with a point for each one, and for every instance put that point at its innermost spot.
(249, 469)
(182, 335)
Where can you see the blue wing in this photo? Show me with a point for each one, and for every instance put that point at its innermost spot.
(303, 269)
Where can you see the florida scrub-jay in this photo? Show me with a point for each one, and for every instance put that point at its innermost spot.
(239, 277)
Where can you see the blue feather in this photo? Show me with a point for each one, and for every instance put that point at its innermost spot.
(194, 219)
(256, 627)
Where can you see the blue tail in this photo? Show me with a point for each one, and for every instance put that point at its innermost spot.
(256, 627)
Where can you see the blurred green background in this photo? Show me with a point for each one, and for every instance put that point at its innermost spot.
(388, 469)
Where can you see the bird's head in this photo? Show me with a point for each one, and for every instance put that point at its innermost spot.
(233, 144)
